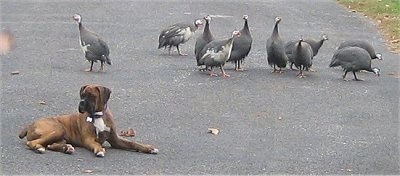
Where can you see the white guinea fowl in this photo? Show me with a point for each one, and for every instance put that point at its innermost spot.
(92, 45)
(177, 34)
(217, 52)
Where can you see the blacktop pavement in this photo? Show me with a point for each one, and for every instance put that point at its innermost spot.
(269, 123)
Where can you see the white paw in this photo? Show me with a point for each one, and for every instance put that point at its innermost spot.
(41, 150)
(154, 151)
(70, 149)
(100, 154)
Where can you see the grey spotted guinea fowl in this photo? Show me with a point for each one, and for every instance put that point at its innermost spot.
(177, 34)
(203, 40)
(302, 54)
(94, 47)
(353, 59)
(276, 55)
(362, 44)
(241, 45)
(315, 45)
(217, 52)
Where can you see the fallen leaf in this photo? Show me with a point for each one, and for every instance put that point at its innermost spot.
(280, 118)
(128, 133)
(213, 131)
(42, 102)
(16, 72)
(88, 171)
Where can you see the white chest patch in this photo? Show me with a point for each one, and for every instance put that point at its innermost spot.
(100, 125)
(83, 45)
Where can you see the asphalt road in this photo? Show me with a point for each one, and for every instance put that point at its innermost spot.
(270, 123)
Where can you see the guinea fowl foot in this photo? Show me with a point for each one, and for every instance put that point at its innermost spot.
(213, 74)
(311, 70)
(88, 70)
(239, 69)
(300, 75)
(226, 75)
(182, 54)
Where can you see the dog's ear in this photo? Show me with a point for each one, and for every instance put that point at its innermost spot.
(81, 91)
(104, 94)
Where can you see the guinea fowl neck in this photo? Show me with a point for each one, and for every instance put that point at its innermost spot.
(299, 44)
(275, 32)
(207, 30)
(80, 25)
(245, 28)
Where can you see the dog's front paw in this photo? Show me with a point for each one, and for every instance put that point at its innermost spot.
(154, 151)
(151, 149)
(40, 150)
(69, 149)
(101, 152)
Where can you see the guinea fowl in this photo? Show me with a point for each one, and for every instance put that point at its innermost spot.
(92, 45)
(353, 59)
(177, 34)
(203, 40)
(362, 44)
(302, 54)
(275, 49)
(241, 45)
(315, 45)
(217, 52)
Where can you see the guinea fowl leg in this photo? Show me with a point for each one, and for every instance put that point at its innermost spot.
(179, 52)
(101, 66)
(344, 75)
(291, 66)
(91, 67)
(169, 50)
(273, 71)
(301, 75)
(237, 66)
(223, 72)
(355, 77)
(212, 72)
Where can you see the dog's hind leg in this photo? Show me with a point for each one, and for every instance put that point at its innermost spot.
(39, 144)
(62, 146)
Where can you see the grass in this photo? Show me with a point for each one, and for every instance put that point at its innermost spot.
(385, 12)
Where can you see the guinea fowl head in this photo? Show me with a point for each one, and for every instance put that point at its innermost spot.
(376, 70)
(198, 22)
(379, 56)
(324, 37)
(245, 17)
(236, 33)
(278, 19)
(77, 18)
(207, 18)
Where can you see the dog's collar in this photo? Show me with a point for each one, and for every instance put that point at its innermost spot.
(96, 115)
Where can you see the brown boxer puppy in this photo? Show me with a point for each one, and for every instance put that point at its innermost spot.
(89, 128)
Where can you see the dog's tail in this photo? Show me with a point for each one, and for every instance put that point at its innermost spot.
(23, 133)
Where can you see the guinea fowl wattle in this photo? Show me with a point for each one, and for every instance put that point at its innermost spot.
(241, 45)
(276, 55)
(203, 40)
(353, 59)
(177, 34)
(94, 47)
(217, 52)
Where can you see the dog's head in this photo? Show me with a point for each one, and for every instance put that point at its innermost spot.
(93, 99)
